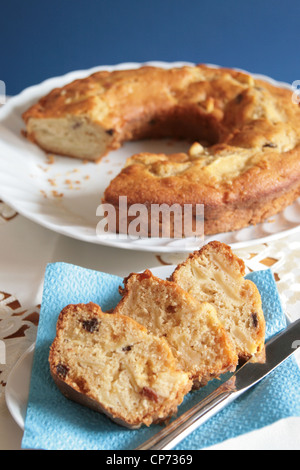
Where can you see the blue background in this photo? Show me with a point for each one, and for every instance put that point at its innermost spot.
(40, 39)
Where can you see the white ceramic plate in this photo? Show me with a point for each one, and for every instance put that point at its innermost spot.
(18, 383)
(33, 187)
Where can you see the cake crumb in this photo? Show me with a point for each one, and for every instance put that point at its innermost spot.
(51, 159)
(52, 182)
(56, 194)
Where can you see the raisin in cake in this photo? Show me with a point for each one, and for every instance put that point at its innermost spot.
(113, 365)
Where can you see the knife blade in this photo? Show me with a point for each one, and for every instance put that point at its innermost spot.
(278, 349)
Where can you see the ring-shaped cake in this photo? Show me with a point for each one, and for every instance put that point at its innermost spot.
(243, 166)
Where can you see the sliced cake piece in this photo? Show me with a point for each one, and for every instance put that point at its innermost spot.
(192, 329)
(214, 274)
(112, 364)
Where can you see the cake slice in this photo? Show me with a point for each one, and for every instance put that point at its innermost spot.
(214, 274)
(192, 329)
(112, 364)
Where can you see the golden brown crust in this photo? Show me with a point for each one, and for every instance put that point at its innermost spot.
(261, 191)
(225, 99)
(234, 261)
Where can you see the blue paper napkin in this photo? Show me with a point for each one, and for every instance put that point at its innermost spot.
(54, 422)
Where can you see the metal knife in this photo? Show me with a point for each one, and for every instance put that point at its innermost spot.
(278, 349)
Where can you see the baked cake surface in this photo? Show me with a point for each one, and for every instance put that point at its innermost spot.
(214, 274)
(192, 329)
(113, 365)
(245, 163)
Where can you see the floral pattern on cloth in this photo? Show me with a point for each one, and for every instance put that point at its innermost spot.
(6, 212)
(18, 328)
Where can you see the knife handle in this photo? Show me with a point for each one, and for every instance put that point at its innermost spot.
(181, 427)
